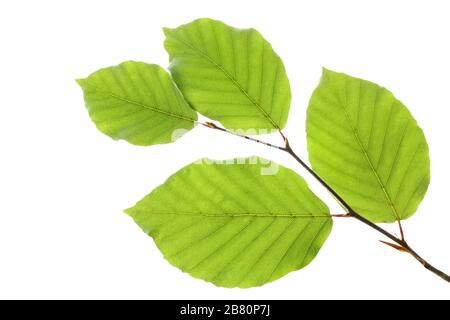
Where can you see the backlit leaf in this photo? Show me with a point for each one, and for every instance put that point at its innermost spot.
(236, 225)
(230, 75)
(137, 102)
(368, 147)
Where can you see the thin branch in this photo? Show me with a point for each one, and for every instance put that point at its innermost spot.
(427, 266)
(400, 243)
(289, 150)
(215, 127)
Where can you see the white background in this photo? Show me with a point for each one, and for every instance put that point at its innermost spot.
(63, 184)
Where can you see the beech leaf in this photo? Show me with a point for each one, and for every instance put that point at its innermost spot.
(137, 102)
(232, 225)
(368, 147)
(230, 75)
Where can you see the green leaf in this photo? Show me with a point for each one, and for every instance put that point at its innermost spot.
(368, 147)
(137, 102)
(235, 224)
(230, 75)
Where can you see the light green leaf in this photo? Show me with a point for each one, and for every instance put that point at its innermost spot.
(230, 75)
(137, 102)
(368, 147)
(236, 225)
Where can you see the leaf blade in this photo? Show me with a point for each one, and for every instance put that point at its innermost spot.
(220, 224)
(368, 147)
(230, 75)
(137, 102)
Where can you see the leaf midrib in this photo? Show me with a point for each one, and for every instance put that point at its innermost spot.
(231, 215)
(231, 78)
(366, 155)
(144, 106)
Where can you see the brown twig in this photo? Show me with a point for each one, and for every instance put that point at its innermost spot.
(399, 243)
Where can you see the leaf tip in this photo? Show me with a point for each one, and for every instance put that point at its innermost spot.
(166, 31)
(326, 71)
(129, 212)
(80, 82)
